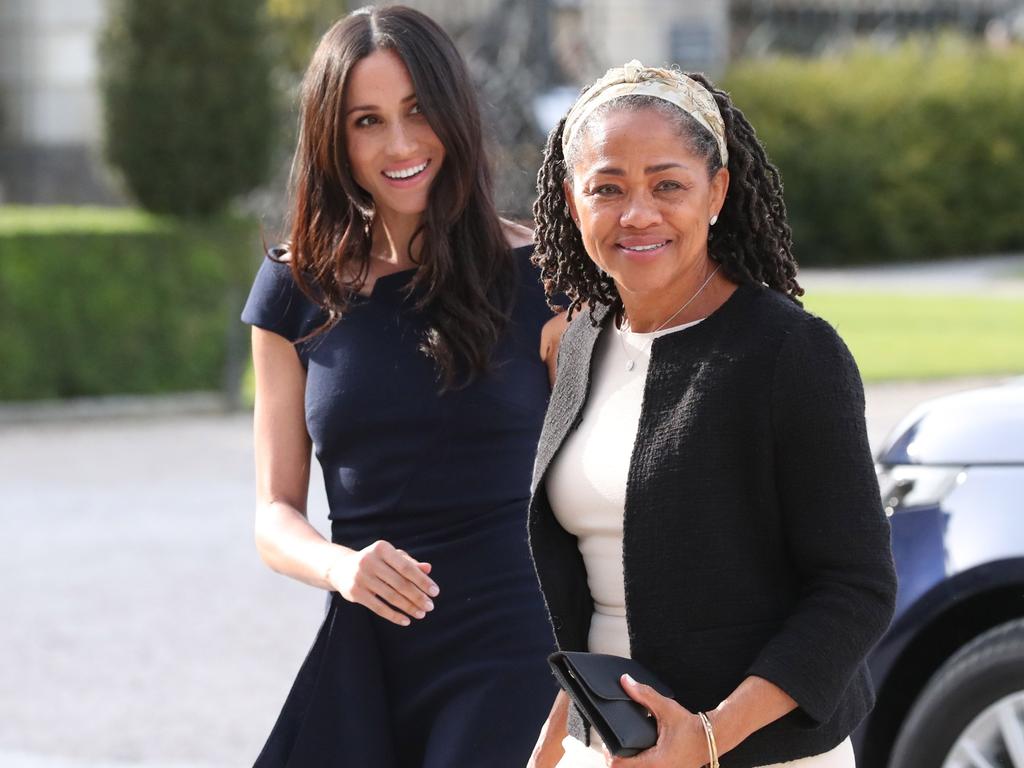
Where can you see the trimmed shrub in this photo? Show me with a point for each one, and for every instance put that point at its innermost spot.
(910, 154)
(99, 302)
(189, 108)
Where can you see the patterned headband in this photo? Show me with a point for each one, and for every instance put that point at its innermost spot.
(634, 78)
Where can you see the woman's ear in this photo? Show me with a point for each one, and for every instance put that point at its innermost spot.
(719, 188)
(570, 200)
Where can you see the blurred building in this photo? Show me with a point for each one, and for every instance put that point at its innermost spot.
(814, 27)
(50, 111)
(589, 36)
(528, 56)
(50, 118)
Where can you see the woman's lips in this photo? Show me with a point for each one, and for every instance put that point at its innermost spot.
(408, 176)
(642, 250)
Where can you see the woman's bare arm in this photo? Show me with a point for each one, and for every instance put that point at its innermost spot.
(550, 339)
(284, 537)
(384, 579)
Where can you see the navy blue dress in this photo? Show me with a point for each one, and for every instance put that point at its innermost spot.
(445, 477)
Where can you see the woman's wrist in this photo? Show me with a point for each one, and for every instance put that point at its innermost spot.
(709, 738)
(333, 560)
(724, 728)
(752, 706)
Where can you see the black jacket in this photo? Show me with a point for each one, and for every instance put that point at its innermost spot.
(754, 541)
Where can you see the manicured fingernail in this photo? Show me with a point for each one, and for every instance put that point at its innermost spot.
(433, 591)
(430, 605)
(405, 622)
(420, 614)
(630, 680)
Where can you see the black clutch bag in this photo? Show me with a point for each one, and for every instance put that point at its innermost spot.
(592, 682)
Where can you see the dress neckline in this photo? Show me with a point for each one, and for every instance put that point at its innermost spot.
(398, 278)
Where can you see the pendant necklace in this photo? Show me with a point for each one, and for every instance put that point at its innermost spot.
(630, 361)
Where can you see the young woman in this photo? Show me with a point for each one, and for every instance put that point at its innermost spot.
(399, 335)
(705, 498)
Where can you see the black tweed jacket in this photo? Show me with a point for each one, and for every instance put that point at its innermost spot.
(754, 541)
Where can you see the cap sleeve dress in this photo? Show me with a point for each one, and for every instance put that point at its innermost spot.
(445, 477)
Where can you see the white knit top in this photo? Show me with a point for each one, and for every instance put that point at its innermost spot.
(586, 484)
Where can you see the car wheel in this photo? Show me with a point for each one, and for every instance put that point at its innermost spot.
(971, 713)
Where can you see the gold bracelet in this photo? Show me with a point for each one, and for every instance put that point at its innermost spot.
(709, 734)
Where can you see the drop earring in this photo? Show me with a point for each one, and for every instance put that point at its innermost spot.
(713, 220)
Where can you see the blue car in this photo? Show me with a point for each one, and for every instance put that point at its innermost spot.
(949, 673)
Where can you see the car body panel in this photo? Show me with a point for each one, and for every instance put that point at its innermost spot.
(981, 426)
(952, 481)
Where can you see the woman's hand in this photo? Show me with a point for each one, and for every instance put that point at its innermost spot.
(548, 750)
(681, 739)
(384, 579)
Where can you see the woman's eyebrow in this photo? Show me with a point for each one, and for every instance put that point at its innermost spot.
(609, 170)
(663, 167)
(372, 107)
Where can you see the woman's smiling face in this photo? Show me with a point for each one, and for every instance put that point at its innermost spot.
(643, 200)
(392, 150)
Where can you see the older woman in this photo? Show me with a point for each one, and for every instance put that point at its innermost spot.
(705, 500)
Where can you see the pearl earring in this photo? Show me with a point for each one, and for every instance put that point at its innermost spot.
(714, 219)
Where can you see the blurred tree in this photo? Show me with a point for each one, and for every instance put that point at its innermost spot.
(188, 103)
(298, 24)
(295, 28)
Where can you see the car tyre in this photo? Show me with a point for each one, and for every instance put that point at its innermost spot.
(983, 672)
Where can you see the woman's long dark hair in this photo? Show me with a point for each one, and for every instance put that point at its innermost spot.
(751, 240)
(463, 280)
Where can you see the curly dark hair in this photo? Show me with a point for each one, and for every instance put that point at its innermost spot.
(751, 240)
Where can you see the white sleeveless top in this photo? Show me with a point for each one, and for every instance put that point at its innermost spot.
(586, 487)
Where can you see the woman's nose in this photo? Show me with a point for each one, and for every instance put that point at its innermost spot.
(640, 212)
(400, 142)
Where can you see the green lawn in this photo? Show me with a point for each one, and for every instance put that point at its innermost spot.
(89, 220)
(898, 336)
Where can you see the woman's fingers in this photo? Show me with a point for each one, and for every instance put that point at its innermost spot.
(385, 587)
(384, 610)
(409, 568)
(390, 583)
(645, 695)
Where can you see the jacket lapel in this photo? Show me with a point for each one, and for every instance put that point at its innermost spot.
(571, 388)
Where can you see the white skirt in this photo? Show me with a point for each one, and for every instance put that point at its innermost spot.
(579, 755)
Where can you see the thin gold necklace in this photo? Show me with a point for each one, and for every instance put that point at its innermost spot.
(630, 361)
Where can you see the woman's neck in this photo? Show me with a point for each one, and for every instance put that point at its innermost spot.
(391, 238)
(694, 296)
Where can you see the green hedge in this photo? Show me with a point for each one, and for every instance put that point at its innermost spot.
(187, 101)
(98, 302)
(909, 154)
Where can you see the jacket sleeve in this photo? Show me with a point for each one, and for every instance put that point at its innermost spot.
(837, 534)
